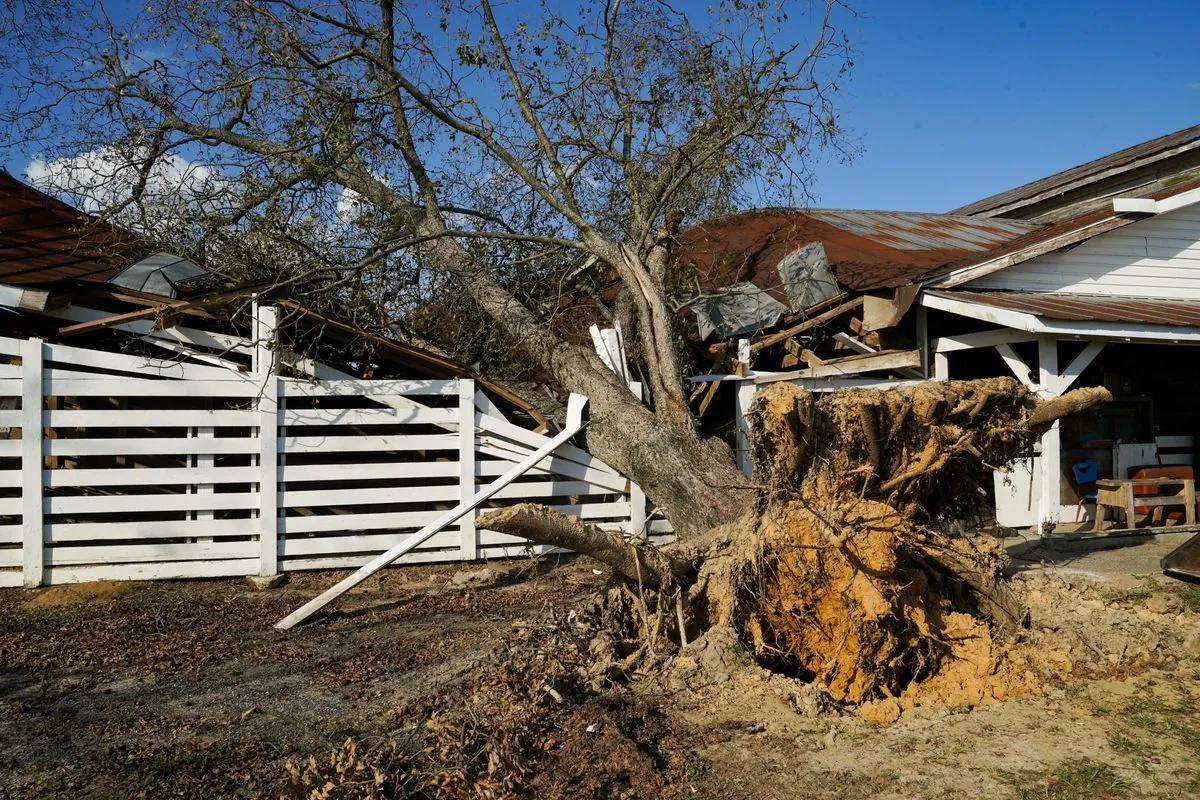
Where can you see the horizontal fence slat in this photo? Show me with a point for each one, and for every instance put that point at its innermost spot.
(292, 387)
(314, 498)
(364, 543)
(528, 441)
(125, 553)
(10, 419)
(543, 489)
(10, 478)
(168, 570)
(165, 476)
(11, 534)
(10, 346)
(157, 418)
(557, 466)
(299, 445)
(10, 505)
(357, 522)
(368, 471)
(369, 416)
(108, 504)
(139, 365)
(10, 448)
(149, 447)
(353, 562)
(101, 386)
(10, 578)
(63, 532)
(11, 557)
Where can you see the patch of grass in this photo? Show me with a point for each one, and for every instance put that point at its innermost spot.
(1176, 720)
(1079, 779)
(1190, 597)
(1138, 594)
(1124, 744)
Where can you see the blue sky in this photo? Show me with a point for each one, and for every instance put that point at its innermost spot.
(954, 101)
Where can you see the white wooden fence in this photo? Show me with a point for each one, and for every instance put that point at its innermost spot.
(117, 466)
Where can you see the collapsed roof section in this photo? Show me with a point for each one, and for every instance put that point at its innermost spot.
(66, 274)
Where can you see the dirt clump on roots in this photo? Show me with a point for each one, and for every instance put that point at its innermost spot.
(845, 572)
(844, 577)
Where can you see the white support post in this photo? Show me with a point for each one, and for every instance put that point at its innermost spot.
(1048, 378)
(469, 543)
(265, 356)
(742, 400)
(923, 340)
(203, 461)
(637, 513)
(32, 536)
(941, 367)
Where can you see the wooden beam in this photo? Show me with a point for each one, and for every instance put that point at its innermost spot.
(970, 341)
(808, 324)
(172, 307)
(1013, 359)
(851, 365)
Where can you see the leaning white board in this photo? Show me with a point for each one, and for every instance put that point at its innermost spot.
(575, 406)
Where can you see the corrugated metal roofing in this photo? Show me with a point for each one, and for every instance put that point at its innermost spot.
(1088, 308)
(907, 230)
(867, 249)
(44, 240)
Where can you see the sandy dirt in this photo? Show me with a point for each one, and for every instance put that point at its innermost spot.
(183, 690)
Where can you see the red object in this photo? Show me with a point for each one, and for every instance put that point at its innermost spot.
(1158, 471)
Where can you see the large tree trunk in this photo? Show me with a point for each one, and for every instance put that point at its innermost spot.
(692, 478)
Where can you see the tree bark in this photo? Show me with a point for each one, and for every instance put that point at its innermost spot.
(544, 526)
(693, 478)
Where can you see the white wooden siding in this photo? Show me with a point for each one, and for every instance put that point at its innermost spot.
(1158, 257)
(146, 468)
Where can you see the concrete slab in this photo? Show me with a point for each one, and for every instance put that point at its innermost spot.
(1121, 561)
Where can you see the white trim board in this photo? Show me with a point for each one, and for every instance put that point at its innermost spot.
(1032, 323)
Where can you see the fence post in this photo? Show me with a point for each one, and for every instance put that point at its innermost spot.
(266, 354)
(637, 514)
(468, 549)
(33, 533)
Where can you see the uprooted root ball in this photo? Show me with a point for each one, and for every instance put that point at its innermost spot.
(840, 576)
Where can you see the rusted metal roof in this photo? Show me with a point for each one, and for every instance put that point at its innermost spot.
(1138, 155)
(1088, 308)
(867, 249)
(907, 230)
(44, 240)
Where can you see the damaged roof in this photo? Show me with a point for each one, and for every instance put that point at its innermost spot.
(44, 240)
(866, 249)
(1087, 308)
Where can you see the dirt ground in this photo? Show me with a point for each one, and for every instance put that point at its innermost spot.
(182, 689)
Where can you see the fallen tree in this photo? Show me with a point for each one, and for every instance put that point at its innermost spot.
(838, 571)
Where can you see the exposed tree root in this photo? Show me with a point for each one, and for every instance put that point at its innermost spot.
(841, 573)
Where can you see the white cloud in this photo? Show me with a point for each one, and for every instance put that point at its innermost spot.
(104, 178)
(1194, 86)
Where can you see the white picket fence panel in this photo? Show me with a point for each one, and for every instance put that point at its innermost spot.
(145, 468)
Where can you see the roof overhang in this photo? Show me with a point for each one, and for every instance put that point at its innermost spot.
(1126, 211)
(1063, 329)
